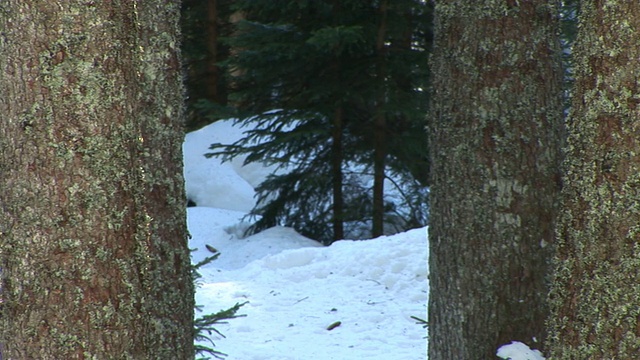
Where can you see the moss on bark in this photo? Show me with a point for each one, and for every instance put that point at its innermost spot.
(496, 134)
(94, 250)
(594, 298)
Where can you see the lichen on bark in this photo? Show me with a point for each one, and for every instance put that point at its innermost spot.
(94, 250)
(594, 296)
(497, 128)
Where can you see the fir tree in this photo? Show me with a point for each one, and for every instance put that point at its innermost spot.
(326, 86)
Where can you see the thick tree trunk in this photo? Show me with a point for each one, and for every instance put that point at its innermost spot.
(496, 110)
(95, 261)
(595, 298)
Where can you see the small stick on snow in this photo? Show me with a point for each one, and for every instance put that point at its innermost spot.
(303, 299)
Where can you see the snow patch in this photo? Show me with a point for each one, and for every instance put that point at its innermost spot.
(518, 351)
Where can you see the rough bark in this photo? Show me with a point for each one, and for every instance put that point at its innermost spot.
(94, 252)
(595, 303)
(495, 139)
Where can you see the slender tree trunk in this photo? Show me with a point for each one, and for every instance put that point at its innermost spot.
(379, 156)
(216, 89)
(337, 157)
(203, 24)
(337, 153)
(496, 110)
(213, 72)
(380, 128)
(94, 253)
(595, 298)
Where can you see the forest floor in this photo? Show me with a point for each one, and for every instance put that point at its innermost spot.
(350, 300)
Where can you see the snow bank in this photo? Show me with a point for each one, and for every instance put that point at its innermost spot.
(211, 183)
(372, 287)
(296, 288)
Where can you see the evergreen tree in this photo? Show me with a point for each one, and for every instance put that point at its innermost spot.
(328, 85)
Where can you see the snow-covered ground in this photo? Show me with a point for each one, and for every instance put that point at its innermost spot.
(296, 288)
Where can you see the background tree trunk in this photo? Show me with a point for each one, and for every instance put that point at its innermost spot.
(337, 176)
(95, 261)
(594, 299)
(216, 91)
(380, 126)
(204, 24)
(496, 110)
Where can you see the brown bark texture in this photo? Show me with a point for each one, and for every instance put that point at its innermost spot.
(95, 262)
(595, 295)
(495, 142)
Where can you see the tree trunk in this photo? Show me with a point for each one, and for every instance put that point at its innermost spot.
(95, 261)
(380, 128)
(204, 23)
(336, 166)
(337, 153)
(214, 75)
(595, 303)
(496, 113)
